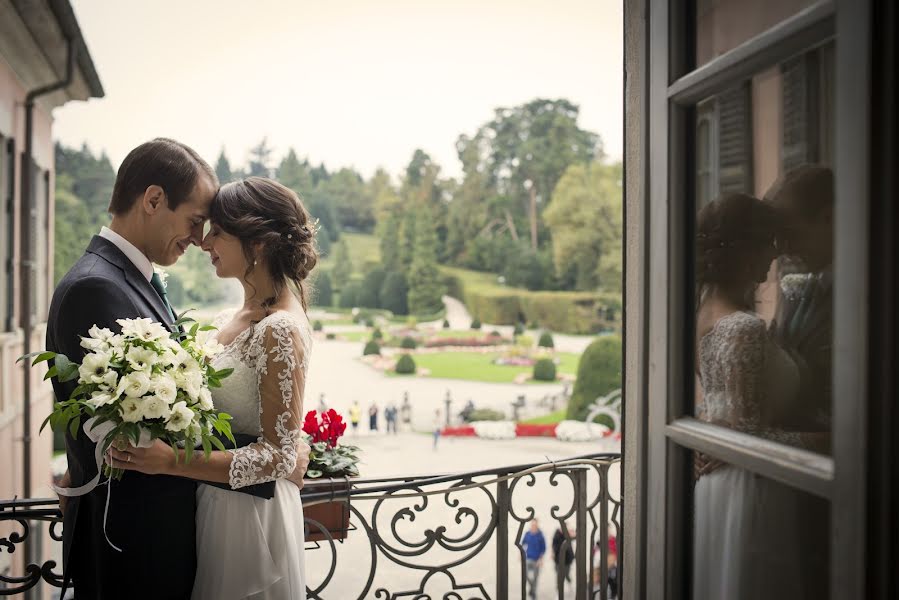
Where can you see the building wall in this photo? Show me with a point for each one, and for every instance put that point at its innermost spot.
(12, 125)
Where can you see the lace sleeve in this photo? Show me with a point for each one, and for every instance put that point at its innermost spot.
(743, 357)
(278, 353)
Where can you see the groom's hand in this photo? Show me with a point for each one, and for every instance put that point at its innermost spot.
(65, 482)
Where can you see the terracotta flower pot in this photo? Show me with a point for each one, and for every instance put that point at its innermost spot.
(333, 516)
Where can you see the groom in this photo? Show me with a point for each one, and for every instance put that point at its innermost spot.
(160, 201)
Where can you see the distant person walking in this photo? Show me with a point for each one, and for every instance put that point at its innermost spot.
(534, 545)
(355, 416)
(437, 426)
(390, 416)
(373, 417)
(563, 554)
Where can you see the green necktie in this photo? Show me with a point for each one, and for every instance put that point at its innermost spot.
(156, 282)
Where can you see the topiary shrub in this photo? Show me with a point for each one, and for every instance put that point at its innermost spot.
(369, 322)
(377, 334)
(476, 323)
(408, 343)
(445, 324)
(485, 414)
(495, 333)
(519, 329)
(545, 370)
(598, 373)
(330, 336)
(371, 347)
(546, 340)
(317, 326)
(405, 365)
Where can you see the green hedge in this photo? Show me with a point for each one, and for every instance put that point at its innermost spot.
(565, 312)
(545, 370)
(371, 347)
(598, 373)
(405, 365)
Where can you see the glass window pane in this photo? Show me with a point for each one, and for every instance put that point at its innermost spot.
(722, 25)
(763, 254)
(756, 538)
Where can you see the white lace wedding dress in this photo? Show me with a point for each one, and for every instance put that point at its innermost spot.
(746, 539)
(249, 547)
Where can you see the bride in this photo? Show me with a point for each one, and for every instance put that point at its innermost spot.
(250, 546)
(746, 543)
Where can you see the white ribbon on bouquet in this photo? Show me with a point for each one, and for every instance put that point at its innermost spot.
(96, 435)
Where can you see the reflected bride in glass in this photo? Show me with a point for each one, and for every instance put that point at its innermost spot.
(745, 538)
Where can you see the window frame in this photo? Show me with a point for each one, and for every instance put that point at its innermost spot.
(660, 385)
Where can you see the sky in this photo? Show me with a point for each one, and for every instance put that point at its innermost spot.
(358, 83)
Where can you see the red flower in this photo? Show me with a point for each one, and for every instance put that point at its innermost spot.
(328, 430)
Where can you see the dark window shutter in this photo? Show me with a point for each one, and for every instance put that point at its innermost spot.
(800, 115)
(735, 140)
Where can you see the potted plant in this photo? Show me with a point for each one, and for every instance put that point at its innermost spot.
(330, 464)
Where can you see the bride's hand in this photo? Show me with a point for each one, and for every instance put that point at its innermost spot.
(158, 459)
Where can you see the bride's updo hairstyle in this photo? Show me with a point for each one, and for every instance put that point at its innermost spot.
(264, 214)
(732, 234)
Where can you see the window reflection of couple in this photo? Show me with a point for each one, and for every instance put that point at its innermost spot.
(752, 535)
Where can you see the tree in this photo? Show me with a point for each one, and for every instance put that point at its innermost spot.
(426, 288)
(322, 211)
(408, 231)
(349, 295)
(389, 241)
(395, 293)
(385, 200)
(324, 293)
(586, 221)
(260, 159)
(598, 373)
(223, 168)
(323, 241)
(526, 149)
(295, 175)
(343, 266)
(370, 294)
(346, 192)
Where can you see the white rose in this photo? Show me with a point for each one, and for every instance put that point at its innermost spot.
(205, 397)
(94, 345)
(100, 333)
(193, 385)
(141, 359)
(99, 399)
(117, 344)
(155, 407)
(109, 380)
(180, 418)
(131, 410)
(144, 329)
(165, 388)
(94, 366)
(134, 385)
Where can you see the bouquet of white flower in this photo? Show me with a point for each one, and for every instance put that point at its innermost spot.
(142, 384)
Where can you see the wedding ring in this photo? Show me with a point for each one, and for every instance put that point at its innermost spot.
(129, 458)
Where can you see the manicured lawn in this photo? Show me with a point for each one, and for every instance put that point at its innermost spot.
(363, 247)
(550, 419)
(476, 366)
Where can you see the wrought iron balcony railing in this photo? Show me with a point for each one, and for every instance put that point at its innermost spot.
(445, 536)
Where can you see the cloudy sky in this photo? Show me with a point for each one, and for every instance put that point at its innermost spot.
(357, 83)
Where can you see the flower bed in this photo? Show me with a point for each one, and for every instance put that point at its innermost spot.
(465, 342)
(567, 431)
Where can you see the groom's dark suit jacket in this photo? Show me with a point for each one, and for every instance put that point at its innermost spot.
(151, 518)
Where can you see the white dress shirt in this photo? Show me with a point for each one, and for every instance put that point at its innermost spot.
(137, 257)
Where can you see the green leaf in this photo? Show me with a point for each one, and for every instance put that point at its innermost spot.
(218, 443)
(223, 373)
(66, 370)
(207, 447)
(74, 426)
(38, 354)
(51, 372)
(44, 424)
(313, 474)
(42, 357)
(208, 328)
